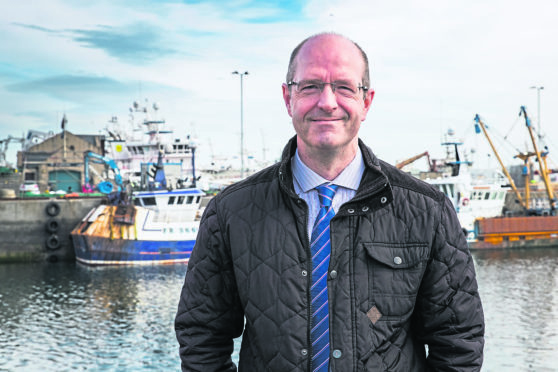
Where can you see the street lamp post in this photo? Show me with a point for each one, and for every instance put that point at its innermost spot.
(538, 108)
(241, 74)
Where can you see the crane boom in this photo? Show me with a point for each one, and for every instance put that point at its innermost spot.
(412, 159)
(480, 124)
(544, 171)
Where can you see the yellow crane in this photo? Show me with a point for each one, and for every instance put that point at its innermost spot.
(542, 164)
(480, 125)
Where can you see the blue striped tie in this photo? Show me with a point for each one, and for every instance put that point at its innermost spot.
(320, 246)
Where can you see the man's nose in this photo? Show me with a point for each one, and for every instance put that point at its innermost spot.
(328, 99)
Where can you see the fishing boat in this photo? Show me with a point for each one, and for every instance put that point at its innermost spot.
(533, 226)
(157, 224)
(136, 145)
(473, 193)
(159, 227)
(473, 197)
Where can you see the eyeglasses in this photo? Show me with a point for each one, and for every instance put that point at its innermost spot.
(311, 88)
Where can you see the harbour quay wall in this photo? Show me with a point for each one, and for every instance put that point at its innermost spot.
(38, 229)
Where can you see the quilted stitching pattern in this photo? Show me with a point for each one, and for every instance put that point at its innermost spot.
(259, 277)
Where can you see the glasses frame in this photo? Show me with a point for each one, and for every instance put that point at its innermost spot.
(321, 85)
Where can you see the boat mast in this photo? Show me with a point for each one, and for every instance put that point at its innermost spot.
(544, 171)
(526, 174)
(480, 124)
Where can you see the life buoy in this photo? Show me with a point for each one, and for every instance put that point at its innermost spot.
(53, 242)
(465, 202)
(52, 209)
(52, 225)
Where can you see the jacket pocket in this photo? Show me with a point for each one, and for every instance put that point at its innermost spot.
(395, 272)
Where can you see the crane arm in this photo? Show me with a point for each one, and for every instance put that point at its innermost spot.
(90, 156)
(544, 171)
(412, 159)
(479, 125)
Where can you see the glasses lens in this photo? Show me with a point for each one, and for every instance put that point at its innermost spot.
(313, 88)
(346, 89)
(309, 88)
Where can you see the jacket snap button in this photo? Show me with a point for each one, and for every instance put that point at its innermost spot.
(351, 210)
(365, 208)
(304, 272)
(397, 260)
(333, 274)
(337, 353)
(304, 352)
(383, 200)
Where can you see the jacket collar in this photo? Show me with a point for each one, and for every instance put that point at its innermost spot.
(373, 179)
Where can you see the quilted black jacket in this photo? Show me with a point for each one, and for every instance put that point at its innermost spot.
(400, 277)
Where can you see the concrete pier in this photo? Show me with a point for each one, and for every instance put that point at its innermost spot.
(38, 229)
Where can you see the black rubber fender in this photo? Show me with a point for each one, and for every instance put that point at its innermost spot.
(52, 225)
(53, 242)
(52, 209)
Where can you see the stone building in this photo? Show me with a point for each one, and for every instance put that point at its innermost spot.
(57, 163)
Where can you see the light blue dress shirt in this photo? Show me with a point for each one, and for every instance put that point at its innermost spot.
(305, 180)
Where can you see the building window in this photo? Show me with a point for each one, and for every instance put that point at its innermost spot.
(30, 176)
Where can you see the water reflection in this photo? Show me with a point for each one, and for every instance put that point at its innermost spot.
(519, 289)
(67, 317)
(63, 317)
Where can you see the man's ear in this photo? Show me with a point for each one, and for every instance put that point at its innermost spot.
(368, 97)
(287, 98)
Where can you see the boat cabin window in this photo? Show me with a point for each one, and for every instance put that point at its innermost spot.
(487, 196)
(137, 202)
(198, 199)
(149, 201)
(180, 200)
(171, 199)
(190, 200)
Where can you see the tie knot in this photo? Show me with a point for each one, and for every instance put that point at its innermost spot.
(326, 193)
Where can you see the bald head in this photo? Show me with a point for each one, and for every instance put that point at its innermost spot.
(316, 39)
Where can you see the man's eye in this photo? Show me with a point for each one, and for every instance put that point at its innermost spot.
(346, 88)
(309, 87)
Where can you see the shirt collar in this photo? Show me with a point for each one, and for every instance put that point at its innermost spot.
(307, 179)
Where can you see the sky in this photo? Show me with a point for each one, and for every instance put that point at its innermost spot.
(434, 66)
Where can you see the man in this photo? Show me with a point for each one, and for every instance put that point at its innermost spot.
(383, 273)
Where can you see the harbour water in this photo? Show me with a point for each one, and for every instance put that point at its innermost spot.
(65, 317)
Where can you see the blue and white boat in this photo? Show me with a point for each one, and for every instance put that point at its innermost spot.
(158, 227)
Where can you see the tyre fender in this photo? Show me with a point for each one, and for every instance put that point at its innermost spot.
(52, 225)
(52, 209)
(53, 242)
